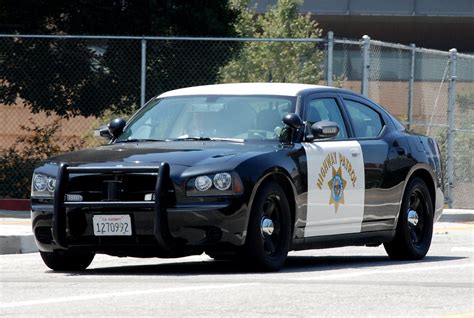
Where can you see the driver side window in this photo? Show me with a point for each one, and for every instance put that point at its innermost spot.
(326, 109)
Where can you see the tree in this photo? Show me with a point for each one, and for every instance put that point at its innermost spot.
(18, 161)
(275, 61)
(84, 77)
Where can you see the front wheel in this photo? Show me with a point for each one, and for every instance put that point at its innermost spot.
(415, 224)
(269, 230)
(67, 260)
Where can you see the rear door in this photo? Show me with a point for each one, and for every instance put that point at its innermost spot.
(335, 173)
(370, 129)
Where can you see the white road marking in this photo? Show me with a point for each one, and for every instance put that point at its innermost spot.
(381, 271)
(462, 249)
(119, 294)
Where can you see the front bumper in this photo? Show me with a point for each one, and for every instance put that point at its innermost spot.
(158, 228)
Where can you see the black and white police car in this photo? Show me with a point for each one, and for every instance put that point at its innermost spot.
(241, 171)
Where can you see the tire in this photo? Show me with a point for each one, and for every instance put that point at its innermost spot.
(266, 249)
(413, 237)
(67, 261)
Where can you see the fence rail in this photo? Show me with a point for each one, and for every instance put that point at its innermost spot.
(431, 91)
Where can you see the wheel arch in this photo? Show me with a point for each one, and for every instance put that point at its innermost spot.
(423, 172)
(424, 175)
(282, 178)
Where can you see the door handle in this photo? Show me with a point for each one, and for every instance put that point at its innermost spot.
(354, 152)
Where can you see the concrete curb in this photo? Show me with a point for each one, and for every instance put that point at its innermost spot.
(15, 214)
(457, 215)
(17, 244)
(17, 238)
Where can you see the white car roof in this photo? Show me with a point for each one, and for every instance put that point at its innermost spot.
(280, 89)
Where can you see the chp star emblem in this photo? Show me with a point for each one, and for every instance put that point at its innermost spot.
(337, 185)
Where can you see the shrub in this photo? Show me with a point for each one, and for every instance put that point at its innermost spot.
(18, 161)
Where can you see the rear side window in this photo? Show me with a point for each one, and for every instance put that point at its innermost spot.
(366, 122)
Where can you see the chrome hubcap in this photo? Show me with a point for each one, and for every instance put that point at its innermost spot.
(266, 226)
(412, 217)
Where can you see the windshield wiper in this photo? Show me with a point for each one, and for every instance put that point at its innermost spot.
(138, 140)
(188, 138)
(192, 138)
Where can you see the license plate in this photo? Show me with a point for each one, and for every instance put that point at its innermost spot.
(112, 225)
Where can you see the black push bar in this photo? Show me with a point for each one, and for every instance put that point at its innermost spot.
(59, 212)
(160, 229)
(113, 170)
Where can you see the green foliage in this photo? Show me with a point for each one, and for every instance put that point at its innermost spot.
(463, 148)
(464, 139)
(465, 102)
(18, 161)
(72, 77)
(275, 61)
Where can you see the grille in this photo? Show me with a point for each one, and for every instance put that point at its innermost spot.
(112, 187)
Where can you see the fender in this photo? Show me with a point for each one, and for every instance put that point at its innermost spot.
(418, 167)
(267, 175)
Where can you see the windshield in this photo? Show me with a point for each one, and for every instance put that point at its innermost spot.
(210, 117)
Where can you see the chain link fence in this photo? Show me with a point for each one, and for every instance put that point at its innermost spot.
(415, 85)
(55, 90)
(463, 158)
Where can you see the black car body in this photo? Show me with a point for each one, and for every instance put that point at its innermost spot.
(339, 170)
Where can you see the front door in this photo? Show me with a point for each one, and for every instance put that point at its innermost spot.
(335, 174)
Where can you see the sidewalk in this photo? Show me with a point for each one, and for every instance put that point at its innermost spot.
(16, 236)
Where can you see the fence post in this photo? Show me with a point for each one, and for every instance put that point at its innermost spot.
(143, 74)
(330, 43)
(411, 84)
(365, 65)
(451, 123)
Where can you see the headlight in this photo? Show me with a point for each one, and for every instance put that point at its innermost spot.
(203, 183)
(51, 184)
(40, 182)
(222, 183)
(42, 185)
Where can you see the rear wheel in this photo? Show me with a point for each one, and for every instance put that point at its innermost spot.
(269, 230)
(67, 260)
(415, 224)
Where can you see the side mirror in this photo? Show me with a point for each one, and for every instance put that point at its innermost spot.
(104, 132)
(116, 126)
(293, 120)
(323, 129)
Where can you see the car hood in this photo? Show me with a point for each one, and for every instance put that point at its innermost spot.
(184, 153)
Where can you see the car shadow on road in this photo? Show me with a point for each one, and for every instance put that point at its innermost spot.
(294, 264)
(322, 263)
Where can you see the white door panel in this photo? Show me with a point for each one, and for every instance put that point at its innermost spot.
(336, 188)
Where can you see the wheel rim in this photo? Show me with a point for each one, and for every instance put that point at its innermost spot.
(416, 215)
(270, 225)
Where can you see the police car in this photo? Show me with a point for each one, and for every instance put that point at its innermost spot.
(241, 171)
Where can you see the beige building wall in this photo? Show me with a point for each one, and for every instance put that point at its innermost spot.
(14, 116)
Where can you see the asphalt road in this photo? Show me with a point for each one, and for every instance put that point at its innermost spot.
(350, 281)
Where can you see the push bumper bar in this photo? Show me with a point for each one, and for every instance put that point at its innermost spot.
(160, 229)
